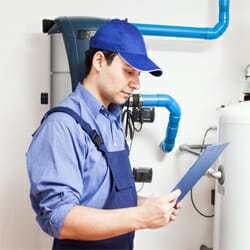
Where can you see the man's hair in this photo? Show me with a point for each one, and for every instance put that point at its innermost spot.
(89, 54)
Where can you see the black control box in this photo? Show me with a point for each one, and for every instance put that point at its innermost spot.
(143, 114)
(142, 174)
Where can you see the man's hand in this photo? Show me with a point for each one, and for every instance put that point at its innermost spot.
(158, 210)
(86, 223)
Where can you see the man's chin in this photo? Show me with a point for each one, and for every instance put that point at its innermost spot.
(120, 101)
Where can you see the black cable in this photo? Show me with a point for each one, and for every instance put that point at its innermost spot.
(129, 125)
(191, 191)
(197, 210)
(137, 129)
(131, 142)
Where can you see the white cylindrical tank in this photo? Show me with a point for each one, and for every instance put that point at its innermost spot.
(232, 199)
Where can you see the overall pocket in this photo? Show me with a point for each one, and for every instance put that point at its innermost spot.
(125, 193)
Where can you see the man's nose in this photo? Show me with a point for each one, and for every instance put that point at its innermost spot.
(135, 83)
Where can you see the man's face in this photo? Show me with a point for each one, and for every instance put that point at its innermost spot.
(117, 81)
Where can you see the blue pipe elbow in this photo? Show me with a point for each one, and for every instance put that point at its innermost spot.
(223, 23)
(190, 32)
(167, 101)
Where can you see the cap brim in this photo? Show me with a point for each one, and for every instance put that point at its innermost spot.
(141, 63)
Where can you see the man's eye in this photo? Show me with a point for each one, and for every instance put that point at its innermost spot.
(129, 72)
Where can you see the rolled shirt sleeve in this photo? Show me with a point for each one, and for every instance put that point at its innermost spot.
(55, 174)
(65, 168)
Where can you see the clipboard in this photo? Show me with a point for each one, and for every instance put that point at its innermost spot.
(199, 168)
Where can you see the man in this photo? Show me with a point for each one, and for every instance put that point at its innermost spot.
(82, 188)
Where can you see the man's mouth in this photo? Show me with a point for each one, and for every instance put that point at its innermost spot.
(126, 93)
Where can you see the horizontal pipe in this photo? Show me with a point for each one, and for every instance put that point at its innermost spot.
(161, 100)
(190, 32)
(189, 148)
(194, 146)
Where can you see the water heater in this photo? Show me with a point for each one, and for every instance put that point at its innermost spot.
(69, 39)
(232, 202)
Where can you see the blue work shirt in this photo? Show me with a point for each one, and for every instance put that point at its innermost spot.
(65, 168)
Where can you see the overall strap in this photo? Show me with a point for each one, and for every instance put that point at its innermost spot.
(97, 140)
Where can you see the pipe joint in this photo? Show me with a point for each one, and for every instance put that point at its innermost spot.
(217, 31)
(169, 102)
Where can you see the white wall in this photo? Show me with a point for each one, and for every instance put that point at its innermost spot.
(201, 75)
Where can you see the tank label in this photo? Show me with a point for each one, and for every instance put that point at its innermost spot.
(85, 34)
(221, 189)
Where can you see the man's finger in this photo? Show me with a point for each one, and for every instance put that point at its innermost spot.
(172, 197)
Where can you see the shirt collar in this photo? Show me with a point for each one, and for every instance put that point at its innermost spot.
(93, 104)
(115, 109)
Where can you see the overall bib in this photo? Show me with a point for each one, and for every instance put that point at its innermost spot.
(122, 194)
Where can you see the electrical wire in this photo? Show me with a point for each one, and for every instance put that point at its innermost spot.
(197, 210)
(129, 125)
(140, 189)
(191, 191)
(130, 128)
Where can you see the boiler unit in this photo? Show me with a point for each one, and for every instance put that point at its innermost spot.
(232, 203)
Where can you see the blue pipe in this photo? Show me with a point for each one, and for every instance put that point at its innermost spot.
(190, 32)
(160, 100)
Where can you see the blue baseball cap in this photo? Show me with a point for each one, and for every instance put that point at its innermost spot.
(125, 39)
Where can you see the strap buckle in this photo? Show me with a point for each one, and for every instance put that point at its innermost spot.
(96, 138)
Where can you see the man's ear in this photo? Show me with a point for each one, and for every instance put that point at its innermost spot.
(98, 60)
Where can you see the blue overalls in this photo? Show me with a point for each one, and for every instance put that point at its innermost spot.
(122, 194)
